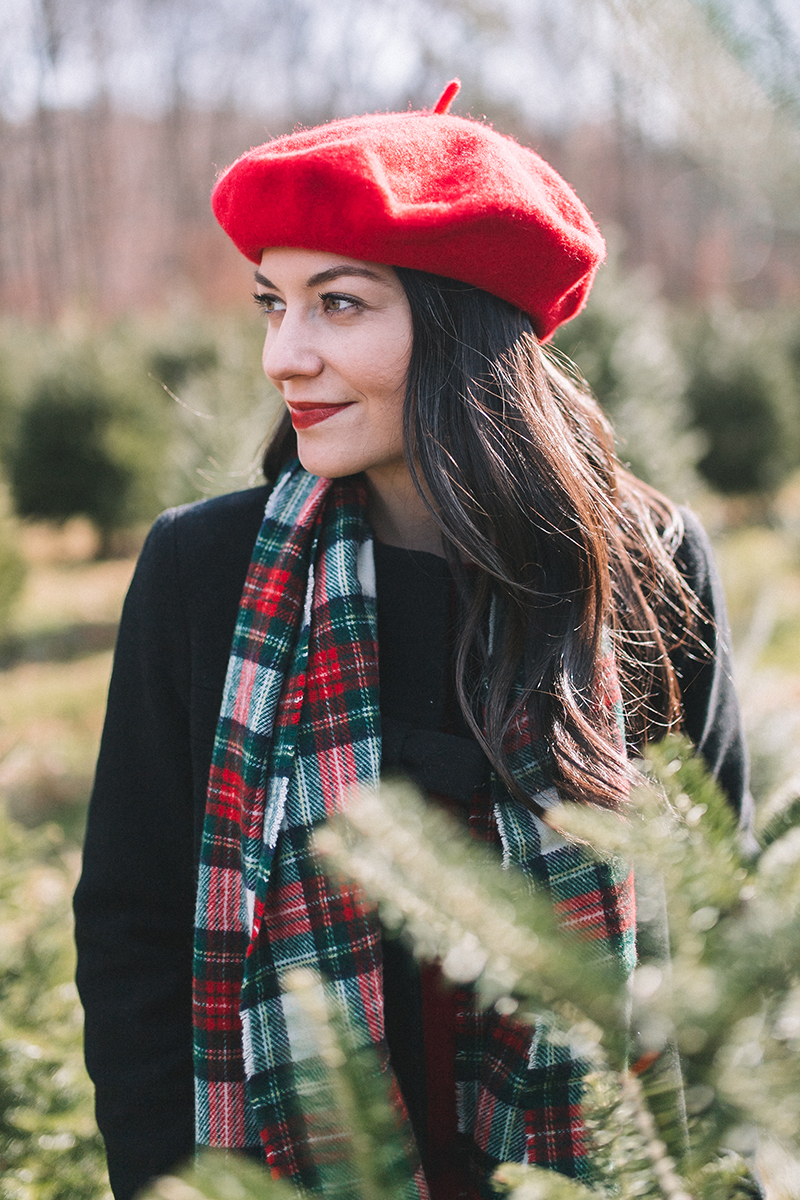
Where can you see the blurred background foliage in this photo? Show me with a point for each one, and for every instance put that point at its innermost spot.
(130, 376)
(49, 1146)
(116, 422)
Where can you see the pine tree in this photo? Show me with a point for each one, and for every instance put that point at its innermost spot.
(715, 997)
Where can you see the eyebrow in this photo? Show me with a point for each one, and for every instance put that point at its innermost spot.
(327, 276)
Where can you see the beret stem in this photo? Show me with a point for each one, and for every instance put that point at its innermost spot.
(448, 96)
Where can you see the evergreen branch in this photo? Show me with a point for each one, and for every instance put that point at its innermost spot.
(780, 813)
(680, 827)
(429, 877)
(358, 1097)
(624, 1138)
(221, 1175)
(780, 823)
(729, 1178)
(535, 1183)
(449, 893)
(663, 1168)
(722, 983)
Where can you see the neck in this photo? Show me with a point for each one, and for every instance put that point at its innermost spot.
(397, 512)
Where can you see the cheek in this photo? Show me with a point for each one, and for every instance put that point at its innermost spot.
(394, 404)
(377, 370)
(386, 356)
(391, 389)
(389, 423)
(395, 372)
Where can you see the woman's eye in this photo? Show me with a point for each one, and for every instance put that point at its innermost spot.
(268, 303)
(335, 303)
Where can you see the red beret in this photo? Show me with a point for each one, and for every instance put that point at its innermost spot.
(420, 189)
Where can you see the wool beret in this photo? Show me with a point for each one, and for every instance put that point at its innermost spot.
(429, 190)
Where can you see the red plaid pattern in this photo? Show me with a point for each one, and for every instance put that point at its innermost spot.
(299, 726)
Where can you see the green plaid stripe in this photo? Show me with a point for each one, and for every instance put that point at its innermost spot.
(299, 725)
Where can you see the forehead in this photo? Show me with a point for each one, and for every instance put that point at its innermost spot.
(297, 265)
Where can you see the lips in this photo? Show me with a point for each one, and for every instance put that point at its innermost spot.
(304, 414)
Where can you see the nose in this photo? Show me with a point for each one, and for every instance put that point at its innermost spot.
(289, 349)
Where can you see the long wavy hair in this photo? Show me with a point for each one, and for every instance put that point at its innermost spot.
(567, 551)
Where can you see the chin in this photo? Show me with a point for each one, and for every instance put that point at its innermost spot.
(334, 458)
(328, 466)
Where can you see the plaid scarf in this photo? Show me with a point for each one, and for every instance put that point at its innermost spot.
(299, 726)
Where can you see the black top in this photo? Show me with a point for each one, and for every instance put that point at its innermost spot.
(134, 905)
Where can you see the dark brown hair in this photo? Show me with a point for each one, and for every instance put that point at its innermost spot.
(515, 460)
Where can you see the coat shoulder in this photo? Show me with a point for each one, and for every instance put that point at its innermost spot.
(229, 520)
(198, 554)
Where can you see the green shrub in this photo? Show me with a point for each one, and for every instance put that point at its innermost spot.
(624, 346)
(175, 363)
(712, 391)
(62, 464)
(117, 423)
(743, 398)
(12, 571)
(222, 409)
(86, 446)
(745, 437)
(49, 1145)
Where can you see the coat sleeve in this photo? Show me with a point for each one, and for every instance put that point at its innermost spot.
(712, 717)
(135, 899)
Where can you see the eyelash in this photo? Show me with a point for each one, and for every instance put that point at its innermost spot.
(263, 299)
(350, 301)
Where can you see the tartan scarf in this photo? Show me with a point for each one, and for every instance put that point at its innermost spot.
(299, 726)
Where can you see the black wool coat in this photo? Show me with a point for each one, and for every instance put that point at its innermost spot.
(134, 905)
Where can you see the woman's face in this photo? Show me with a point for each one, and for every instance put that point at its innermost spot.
(337, 349)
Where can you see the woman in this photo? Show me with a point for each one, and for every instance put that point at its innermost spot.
(458, 505)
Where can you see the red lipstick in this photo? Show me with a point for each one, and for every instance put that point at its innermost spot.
(305, 414)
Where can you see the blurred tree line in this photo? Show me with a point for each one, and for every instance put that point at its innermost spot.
(677, 122)
(116, 422)
(700, 396)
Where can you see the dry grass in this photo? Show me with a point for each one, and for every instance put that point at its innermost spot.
(52, 698)
(51, 718)
(65, 583)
